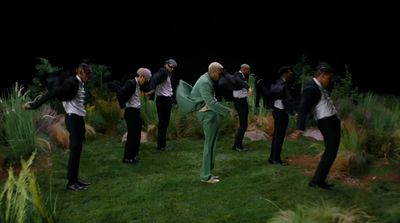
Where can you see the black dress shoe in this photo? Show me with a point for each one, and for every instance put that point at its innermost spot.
(239, 149)
(281, 162)
(164, 148)
(126, 160)
(83, 183)
(136, 159)
(75, 187)
(131, 161)
(322, 185)
(325, 184)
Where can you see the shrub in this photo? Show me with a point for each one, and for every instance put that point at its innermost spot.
(21, 199)
(19, 129)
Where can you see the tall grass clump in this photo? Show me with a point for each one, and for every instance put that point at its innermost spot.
(21, 199)
(352, 155)
(381, 119)
(184, 125)
(324, 213)
(345, 107)
(148, 111)
(19, 130)
(104, 115)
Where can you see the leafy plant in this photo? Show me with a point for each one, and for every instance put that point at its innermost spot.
(43, 69)
(344, 87)
(303, 70)
(19, 129)
(21, 199)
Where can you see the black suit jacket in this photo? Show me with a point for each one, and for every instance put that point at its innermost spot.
(283, 90)
(309, 98)
(158, 77)
(240, 81)
(69, 88)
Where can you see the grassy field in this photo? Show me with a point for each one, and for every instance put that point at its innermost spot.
(165, 186)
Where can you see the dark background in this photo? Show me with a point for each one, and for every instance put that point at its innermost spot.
(266, 37)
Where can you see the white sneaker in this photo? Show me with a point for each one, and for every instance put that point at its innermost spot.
(211, 180)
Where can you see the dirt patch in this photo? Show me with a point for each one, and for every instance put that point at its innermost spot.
(308, 164)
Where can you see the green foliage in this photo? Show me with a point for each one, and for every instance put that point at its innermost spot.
(344, 88)
(303, 70)
(104, 115)
(165, 186)
(391, 149)
(229, 123)
(392, 214)
(345, 107)
(184, 125)
(252, 99)
(96, 85)
(379, 117)
(37, 86)
(148, 111)
(44, 68)
(322, 213)
(98, 122)
(21, 199)
(352, 141)
(99, 73)
(19, 130)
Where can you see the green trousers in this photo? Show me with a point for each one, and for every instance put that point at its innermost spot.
(209, 119)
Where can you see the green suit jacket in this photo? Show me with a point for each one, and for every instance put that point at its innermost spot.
(200, 95)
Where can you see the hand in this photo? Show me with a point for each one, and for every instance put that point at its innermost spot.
(148, 93)
(250, 92)
(27, 106)
(296, 134)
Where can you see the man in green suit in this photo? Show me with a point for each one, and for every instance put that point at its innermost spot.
(201, 98)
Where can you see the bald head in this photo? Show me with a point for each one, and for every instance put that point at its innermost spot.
(215, 70)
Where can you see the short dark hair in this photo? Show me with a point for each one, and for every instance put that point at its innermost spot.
(324, 67)
(284, 69)
(85, 67)
(172, 62)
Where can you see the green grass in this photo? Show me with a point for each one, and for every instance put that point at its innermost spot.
(165, 186)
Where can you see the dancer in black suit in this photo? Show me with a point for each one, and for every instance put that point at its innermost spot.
(283, 106)
(74, 120)
(241, 105)
(315, 97)
(160, 84)
(131, 99)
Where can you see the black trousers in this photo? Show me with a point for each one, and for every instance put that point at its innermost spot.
(76, 127)
(164, 105)
(134, 127)
(330, 129)
(242, 109)
(281, 121)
